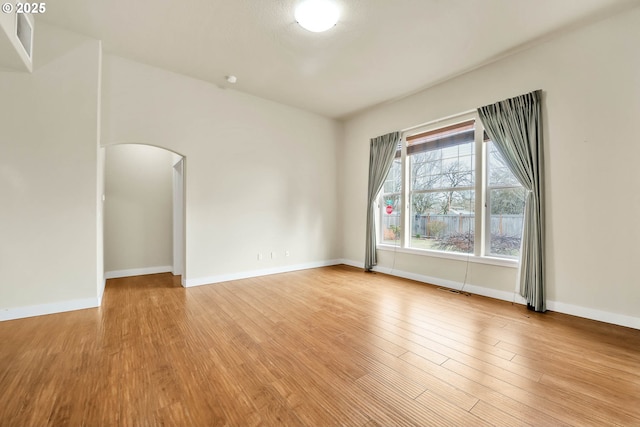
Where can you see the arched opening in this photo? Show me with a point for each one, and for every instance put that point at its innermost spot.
(143, 211)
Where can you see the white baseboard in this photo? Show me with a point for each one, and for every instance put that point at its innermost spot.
(451, 284)
(560, 307)
(115, 274)
(593, 314)
(256, 273)
(81, 304)
(353, 263)
(51, 308)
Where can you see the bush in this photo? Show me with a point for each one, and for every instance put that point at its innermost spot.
(463, 242)
(389, 234)
(505, 245)
(457, 242)
(392, 233)
(435, 228)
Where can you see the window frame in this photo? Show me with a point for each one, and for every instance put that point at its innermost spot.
(480, 186)
(487, 219)
(380, 207)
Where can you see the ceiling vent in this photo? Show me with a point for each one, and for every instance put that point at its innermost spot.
(24, 32)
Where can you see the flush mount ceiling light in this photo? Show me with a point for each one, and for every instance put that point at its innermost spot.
(317, 15)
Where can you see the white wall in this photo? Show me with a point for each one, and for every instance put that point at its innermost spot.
(138, 209)
(48, 163)
(591, 84)
(260, 176)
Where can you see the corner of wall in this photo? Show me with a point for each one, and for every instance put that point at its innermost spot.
(100, 185)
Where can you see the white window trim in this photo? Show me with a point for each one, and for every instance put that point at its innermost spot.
(502, 262)
(481, 221)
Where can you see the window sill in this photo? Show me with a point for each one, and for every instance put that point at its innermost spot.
(502, 262)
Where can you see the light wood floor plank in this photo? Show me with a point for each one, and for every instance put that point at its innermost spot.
(524, 411)
(559, 405)
(495, 416)
(549, 361)
(321, 347)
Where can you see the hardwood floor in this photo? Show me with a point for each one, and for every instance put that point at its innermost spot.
(323, 347)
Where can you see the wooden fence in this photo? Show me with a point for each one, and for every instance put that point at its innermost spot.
(434, 226)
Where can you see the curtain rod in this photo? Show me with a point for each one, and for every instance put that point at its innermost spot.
(433, 122)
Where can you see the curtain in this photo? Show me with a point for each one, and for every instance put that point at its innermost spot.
(381, 154)
(515, 127)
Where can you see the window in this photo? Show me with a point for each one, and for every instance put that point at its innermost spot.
(444, 176)
(390, 203)
(441, 188)
(505, 206)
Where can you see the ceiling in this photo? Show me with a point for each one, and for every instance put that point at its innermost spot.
(380, 50)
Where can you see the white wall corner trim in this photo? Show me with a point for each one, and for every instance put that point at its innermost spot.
(137, 271)
(560, 307)
(101, 290)
(257, 273)
(43, 309)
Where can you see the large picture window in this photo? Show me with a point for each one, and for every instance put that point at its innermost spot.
(455, 187)
(390, 203)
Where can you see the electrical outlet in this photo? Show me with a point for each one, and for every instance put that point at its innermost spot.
(259, 257)
(287, 253)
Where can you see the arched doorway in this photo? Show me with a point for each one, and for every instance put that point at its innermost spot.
(144, 211)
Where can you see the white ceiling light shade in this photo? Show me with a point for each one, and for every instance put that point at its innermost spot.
(317, 15)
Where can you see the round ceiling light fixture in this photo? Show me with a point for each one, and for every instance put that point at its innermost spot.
(317, 15)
